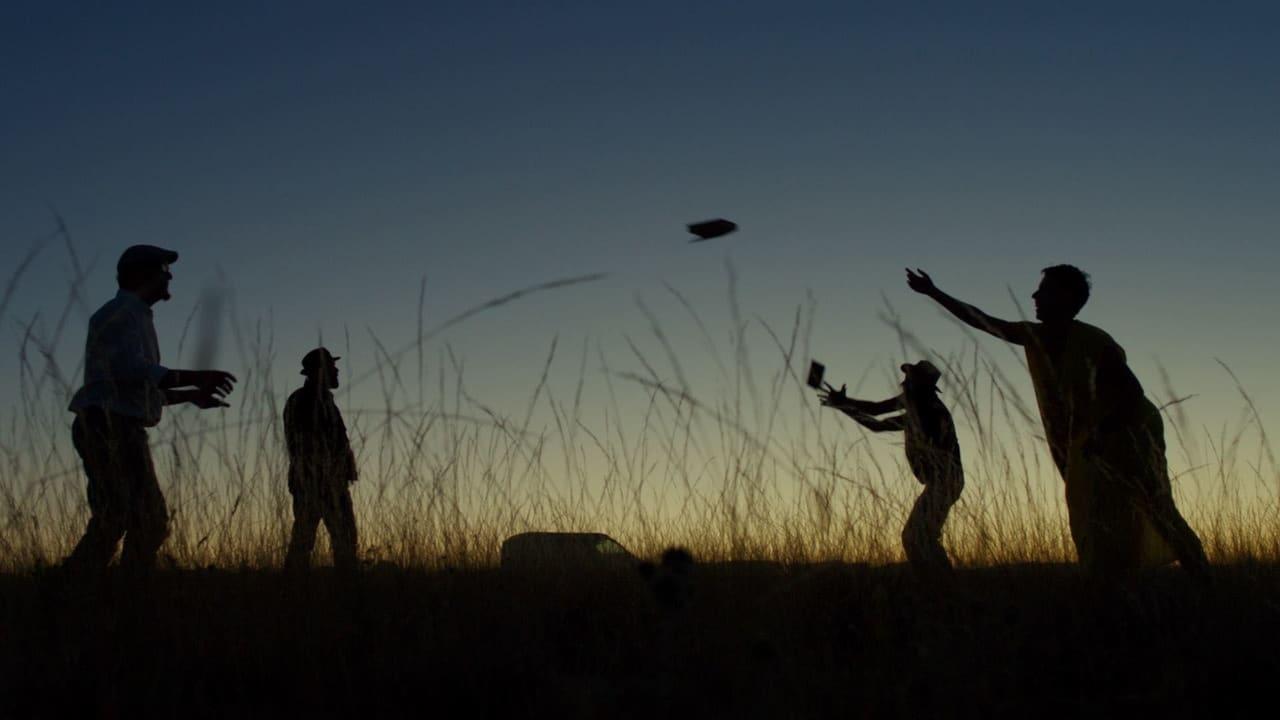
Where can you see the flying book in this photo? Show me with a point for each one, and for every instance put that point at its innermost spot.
(708, 229)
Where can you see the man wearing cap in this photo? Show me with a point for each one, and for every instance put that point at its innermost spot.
(321, 466)
(125, 389)
(1105, 436)
(933, 453)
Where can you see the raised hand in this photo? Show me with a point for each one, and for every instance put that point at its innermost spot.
(921, 282)
(830, 397)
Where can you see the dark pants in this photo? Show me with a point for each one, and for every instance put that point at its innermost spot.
(124, 495)
(922, 536)
(329, 502)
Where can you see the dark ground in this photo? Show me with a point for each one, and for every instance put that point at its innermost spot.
(737, 641)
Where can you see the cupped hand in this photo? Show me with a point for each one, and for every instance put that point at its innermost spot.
(213, 381)
(920, 281)
(206, 400)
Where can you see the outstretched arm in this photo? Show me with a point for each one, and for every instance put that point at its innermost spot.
(837, 399)
(868, 407)
(123, 338)
(1014, 332)
(209, 380)
(203, 388)
(889, 424)
(196, 396)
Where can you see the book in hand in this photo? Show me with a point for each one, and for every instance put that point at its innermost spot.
(816, 372)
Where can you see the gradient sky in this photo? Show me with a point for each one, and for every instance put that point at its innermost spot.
(327, 156)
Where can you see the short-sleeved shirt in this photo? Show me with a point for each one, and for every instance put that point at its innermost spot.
(1082, 381)
(1106, 439)
(122, 369)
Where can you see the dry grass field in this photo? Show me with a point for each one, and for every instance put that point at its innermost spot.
(798, 605)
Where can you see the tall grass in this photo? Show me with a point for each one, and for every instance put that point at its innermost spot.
(748, 467)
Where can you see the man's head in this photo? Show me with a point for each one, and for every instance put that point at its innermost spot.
(1063, 291)
(320, 366)
(144, 271)
(920, 376)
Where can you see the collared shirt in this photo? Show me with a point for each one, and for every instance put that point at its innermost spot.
(122, 367)
(316, 437)
(933, 450)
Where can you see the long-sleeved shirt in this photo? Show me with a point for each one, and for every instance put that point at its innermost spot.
(932, 447)
(122, 367)
(933, 450)
(316, 437)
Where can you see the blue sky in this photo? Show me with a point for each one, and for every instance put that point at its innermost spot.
(326, 157)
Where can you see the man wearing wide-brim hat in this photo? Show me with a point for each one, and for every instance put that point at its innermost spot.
(125, 389)
(321, 466)
(933, 453)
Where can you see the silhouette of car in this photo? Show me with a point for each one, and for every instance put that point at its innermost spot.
(545, 551)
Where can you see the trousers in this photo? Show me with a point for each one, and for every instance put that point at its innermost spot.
(124, 495)
(330, 503)
(922, 535)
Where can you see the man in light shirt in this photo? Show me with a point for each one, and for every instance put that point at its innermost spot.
(125, 389)
(1105, 436)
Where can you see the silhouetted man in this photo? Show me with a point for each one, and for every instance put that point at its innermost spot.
(321, 466)
(933, 452)
(1105, 436)
(125, 388)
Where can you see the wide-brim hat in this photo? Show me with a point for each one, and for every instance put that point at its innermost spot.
(316, 359)
(923, 372)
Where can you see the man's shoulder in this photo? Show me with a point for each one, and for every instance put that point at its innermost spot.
(296, 398)
(941, 415)
(1092, 332)
(112, 309)
(1095, 342)
(304, 397)
(939, 406)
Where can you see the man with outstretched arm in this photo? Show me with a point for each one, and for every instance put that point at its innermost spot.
(1105, 436)
(125, 389)
(933, 453)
